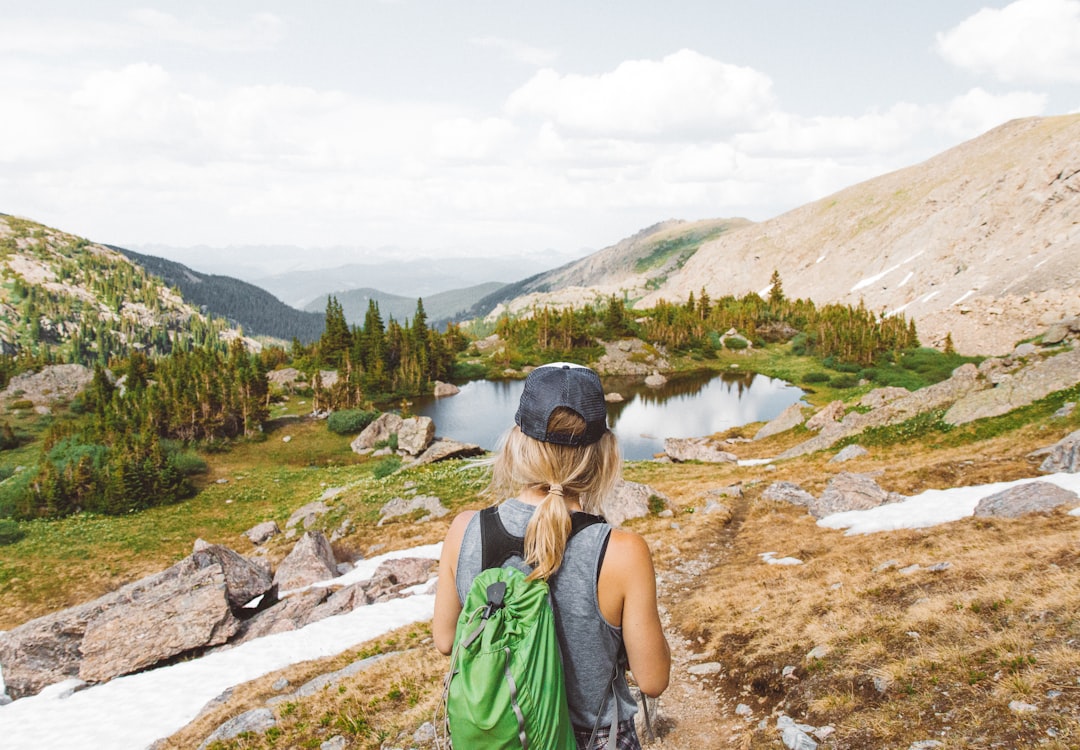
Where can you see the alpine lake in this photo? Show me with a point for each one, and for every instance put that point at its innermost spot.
(688, 405)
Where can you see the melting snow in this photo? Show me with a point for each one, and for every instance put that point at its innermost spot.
(964, 296)
(906, 278)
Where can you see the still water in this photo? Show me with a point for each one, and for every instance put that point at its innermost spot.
(688, 406)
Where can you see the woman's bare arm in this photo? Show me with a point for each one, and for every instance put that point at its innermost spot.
(628, 569)
(447, 604)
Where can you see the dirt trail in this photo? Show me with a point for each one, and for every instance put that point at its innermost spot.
(695, 711)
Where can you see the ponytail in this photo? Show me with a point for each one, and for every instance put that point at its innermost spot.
(547, 534)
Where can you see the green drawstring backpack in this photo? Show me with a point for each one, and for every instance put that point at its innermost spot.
(505, 688)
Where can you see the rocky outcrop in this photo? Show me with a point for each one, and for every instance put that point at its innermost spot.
(262, 532)
(186, 607)
(54, 383)
(787, 492)
(1032, 497)
(307, 515)
(828, 415)
(631, 357)
(787, 419)
(881, 396)
(1020, 389)
(629, 500)
(256, 721)
(696, 449)
(847, 491)
(848, 453)
(1062, 456)
(311, 560)
(441, 389)
(414, 434)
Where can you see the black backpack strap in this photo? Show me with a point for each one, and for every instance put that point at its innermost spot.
(497, 545)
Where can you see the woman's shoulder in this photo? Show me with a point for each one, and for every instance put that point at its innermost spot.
(628, 548)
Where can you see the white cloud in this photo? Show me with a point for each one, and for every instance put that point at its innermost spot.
(684, 93)
(1028, 40)
(463, 138)
(977, 111)
(518, 51)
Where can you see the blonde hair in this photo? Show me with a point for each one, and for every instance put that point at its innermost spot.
(587, 471)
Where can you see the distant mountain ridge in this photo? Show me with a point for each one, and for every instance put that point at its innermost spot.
(440, 308)
(257, 311)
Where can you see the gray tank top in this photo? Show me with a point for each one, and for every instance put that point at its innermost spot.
(590, 645)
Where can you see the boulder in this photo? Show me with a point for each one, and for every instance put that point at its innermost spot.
(848, 453)
(830, 414)
(310, 560)
(696, 449)
(285, 377)
(53, 383)
(244, 579)
(387, 582)
(656, 380)
(379, 431)
(262, 532)
(307, 515)
(848, 491)
(256, 721)
(788, 418)
(442, 449)
(431, 506)
(881, 396)
(629, 500)
(1062, 456)
(613, 398)
(445, 389)
(415, 435)
(182, 608)
(787, 492)
(1032, 497)
(290, 613)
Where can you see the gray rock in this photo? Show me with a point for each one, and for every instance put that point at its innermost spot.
(262, 532)
(629, 500)
(881, 396)
(430, 505)
(788, 418)
(442, 449)
(925, 745)
(1066, 410)
(53, 383)
(291, 613)
(1024, 387)
(847, 491)
(330, 679)
(337, 742)
(828, 415)
(1032, 497)
(310, 560)
(184, 608)
(709, 667)
(1063, 456)
(1024, 350)
(256, 721)
(696, 449)
(794, 736)
(1021, 707)
(731, 490)
(656, 380)
(425, 733)
(442, 389)
(1055, 334)
(307, 515)
(244, 579)
(415, 435)
(848, 453)
(380, 430)
(711, 506)
(787, 492)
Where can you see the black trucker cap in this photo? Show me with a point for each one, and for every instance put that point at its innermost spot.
(562, 384)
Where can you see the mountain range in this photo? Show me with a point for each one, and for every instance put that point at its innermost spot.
(981, 242)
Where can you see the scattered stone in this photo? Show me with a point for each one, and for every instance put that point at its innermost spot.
(430, 505)
(287, 439)
(913, 568)
(425, 733)
(818, 652)
(280, 684)
(1062, 456)
(847, 491)
(744, 710)
(731, 490)
(696, 449)
(310, 560)
(939, 567)
(789, 418)
(709, 667)
(770, 558)
(337, 742)
(263, 532)
(442, 389)
(329, 680)
(711, 507)
(787, 492)
(1066, 410)
(307, 515)
(655, 380)
(795, 736)
(925, 745)
(887, 565)
(614, 398)
(788, 672)
(882, 684)
(848, 453)
(1022, 708)
(256, 721)
(1032, 497)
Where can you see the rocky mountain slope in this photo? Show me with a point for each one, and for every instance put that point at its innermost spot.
(982, 241)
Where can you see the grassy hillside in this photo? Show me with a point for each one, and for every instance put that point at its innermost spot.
(256, 310)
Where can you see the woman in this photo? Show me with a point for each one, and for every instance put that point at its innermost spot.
(560, 459)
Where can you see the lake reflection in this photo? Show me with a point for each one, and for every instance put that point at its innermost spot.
(688, 406)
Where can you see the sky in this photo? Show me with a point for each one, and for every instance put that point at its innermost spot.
(131, 712)
(376, 129)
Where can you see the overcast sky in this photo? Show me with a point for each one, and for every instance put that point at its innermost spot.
(484, 127)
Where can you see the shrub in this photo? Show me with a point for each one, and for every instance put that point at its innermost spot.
(386, 467)
(844, 381)
(22, 403)
(350, 421)
(735, 343)
(815, 377)
(189, 462)
(10, 531)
